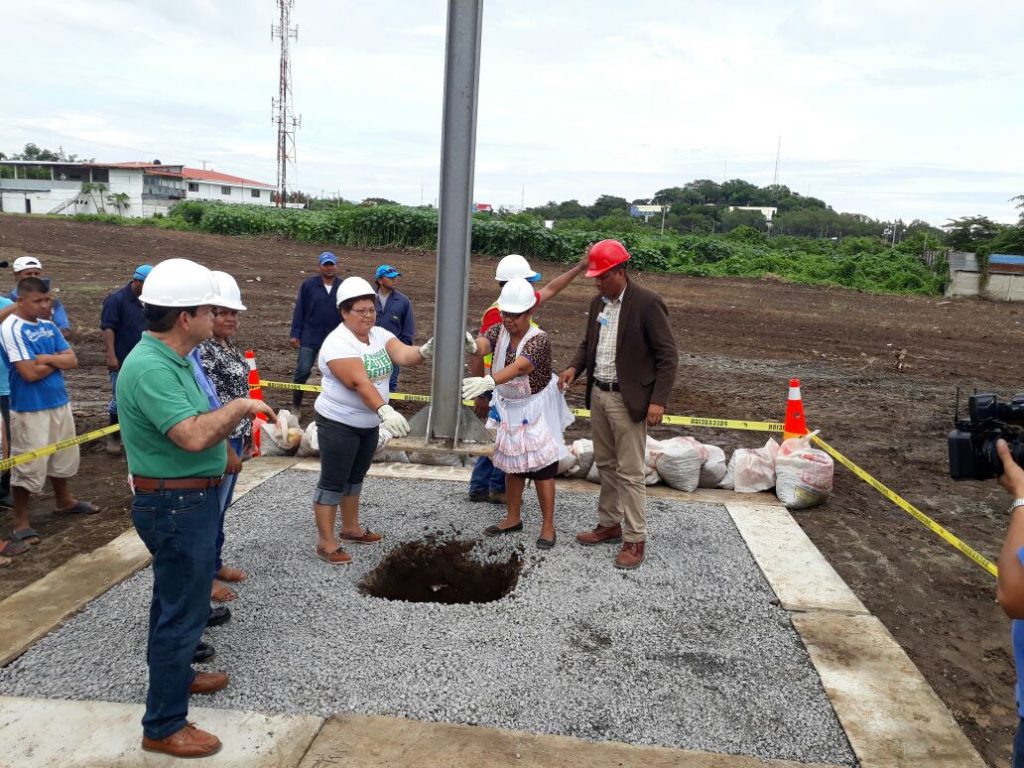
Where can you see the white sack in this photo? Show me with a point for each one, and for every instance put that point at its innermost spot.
(753, 469)
(712, 472)
(803, 474)
(679, 460)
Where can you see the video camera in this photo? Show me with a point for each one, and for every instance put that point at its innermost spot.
(972, 445)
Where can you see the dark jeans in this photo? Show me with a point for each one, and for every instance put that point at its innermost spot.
(486, 477)
(1018, 745)
(393, 384)
(112, 405)
(303, 367)
(225, 492)
(5, 411)
(179, 529)
(345, 455)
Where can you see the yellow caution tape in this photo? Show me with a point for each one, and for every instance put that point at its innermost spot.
(909, 508)
(38, 453)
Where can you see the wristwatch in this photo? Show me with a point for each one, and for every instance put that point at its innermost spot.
(1014, 504)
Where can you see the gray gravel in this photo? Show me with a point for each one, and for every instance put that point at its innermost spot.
(690, 651)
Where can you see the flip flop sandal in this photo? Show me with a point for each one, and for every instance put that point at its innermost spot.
(12, 548)
(78, 508)
(223, 595)
(337, 557)
(547, 543)
(494, 530)
(231, 574)
(27, 535)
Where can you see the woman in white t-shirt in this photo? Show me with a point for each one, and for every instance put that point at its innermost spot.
(356, 360)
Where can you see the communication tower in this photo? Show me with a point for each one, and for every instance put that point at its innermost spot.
(281, 106)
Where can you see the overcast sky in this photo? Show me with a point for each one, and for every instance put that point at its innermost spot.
(891, 108)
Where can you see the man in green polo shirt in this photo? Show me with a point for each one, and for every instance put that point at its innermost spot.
(177, 457)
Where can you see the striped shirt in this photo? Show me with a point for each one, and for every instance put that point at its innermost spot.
(23, 340)
(604, 362)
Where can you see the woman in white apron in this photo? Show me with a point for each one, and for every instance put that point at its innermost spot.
(528, 444)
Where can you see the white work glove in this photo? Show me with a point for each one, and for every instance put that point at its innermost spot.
(474, 386)
(427, 350)
(393, 421)
(470, 344)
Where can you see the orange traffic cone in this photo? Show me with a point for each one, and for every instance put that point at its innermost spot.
(256, 393)
(794, 426)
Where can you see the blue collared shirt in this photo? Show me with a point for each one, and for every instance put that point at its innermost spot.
(122, 313)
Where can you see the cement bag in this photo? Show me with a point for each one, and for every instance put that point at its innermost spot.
(679, 460)
(803, 475)
(435, 459)
(396, 457)
(753, 469)
(568, 463)
(309, 445)
(383, 436)
(593, 476)
(651, 452)
(712, 472)
(279, 439)
(583, 450)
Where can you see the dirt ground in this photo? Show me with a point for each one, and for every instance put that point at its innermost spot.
(740, 342)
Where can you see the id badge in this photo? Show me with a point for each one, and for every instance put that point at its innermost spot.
(602, 319)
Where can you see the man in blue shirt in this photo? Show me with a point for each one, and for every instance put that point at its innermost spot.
(5, 413)
(30, 266)
(316, 315)
(122, 322)
(37, 355)
(394, 311)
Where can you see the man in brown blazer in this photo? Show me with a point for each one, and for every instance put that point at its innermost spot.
(629, 355)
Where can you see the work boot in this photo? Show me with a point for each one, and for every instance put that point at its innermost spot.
(188, 742)
(209, 682)
(497, 497)
(610, 534)
(630, 556)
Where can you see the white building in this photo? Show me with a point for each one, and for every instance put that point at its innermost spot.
(129, 189)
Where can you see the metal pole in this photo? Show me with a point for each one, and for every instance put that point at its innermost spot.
(454, 231)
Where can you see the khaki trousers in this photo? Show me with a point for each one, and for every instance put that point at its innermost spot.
(619, 444)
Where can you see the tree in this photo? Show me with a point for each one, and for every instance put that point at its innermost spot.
(607, 205)
(968, 233)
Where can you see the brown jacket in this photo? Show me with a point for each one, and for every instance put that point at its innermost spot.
(646, 359)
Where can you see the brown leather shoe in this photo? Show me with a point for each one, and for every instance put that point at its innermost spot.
(209, 682)
(600, 535)
(630, 556)
(188, 742)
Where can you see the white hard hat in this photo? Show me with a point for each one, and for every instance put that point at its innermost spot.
(354, 287)
(180, 283)
(26, 262)
(517, 296)
(513, 266)
(231, 297)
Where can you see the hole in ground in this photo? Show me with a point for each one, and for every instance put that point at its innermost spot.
(441, 571)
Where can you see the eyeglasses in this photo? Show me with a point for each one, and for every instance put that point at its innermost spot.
(513, 315)
(364, 312)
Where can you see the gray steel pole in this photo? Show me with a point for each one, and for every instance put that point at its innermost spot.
(458, 150)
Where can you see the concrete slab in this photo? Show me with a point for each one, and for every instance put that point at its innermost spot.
(802, 578)
(37, 609)
(891, 715)
(41, 733)
(360, 741)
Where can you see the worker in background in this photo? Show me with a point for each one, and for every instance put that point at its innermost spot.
(315, 316)
(394, 312)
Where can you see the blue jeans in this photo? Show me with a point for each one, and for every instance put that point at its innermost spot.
(486, 477)
(179, 529)
(303, 367)
(1018, 746)
(393, 384)
(112, 405)
(225, 492)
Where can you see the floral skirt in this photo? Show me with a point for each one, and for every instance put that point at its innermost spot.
(529, 436)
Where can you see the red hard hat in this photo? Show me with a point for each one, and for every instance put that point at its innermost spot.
(605, 255)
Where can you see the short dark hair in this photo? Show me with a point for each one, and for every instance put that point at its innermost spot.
(32, 285)
(162, 319)
(347, 304)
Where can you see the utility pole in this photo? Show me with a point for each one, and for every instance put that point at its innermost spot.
(281, 107)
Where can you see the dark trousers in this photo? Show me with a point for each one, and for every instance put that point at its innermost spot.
(5, 411)
(486, 477)
(179, 528)
(393, 384)
(303, 367)
(1018, 746)
(345, 455)
(225, 495)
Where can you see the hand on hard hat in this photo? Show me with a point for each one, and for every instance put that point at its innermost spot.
(393, 421)
(427, 350)
(470, 345)
(474, 386)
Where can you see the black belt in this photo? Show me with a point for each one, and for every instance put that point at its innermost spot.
(607, 386)
(151, 484)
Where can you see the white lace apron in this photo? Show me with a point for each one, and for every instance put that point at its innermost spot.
(529, 435)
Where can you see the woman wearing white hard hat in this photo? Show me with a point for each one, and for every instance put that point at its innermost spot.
(355, 360)
(228, 371)
(532, 409)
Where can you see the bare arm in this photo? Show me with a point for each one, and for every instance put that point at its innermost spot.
(403, 354)
(33, 370)
(476, 362)
(521, 366)
(1010, 584)
(108, 345)
(197, 433)
(64, 361)
(351, 372)
(554, 287)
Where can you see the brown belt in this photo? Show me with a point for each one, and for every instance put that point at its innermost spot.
(150, 484)
(606, 386)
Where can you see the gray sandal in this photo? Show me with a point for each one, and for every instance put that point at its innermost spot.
(28, 535)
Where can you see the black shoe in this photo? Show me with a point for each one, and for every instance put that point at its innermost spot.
(479, 496)
(204, 652)
(219, 615)
(6, 501)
